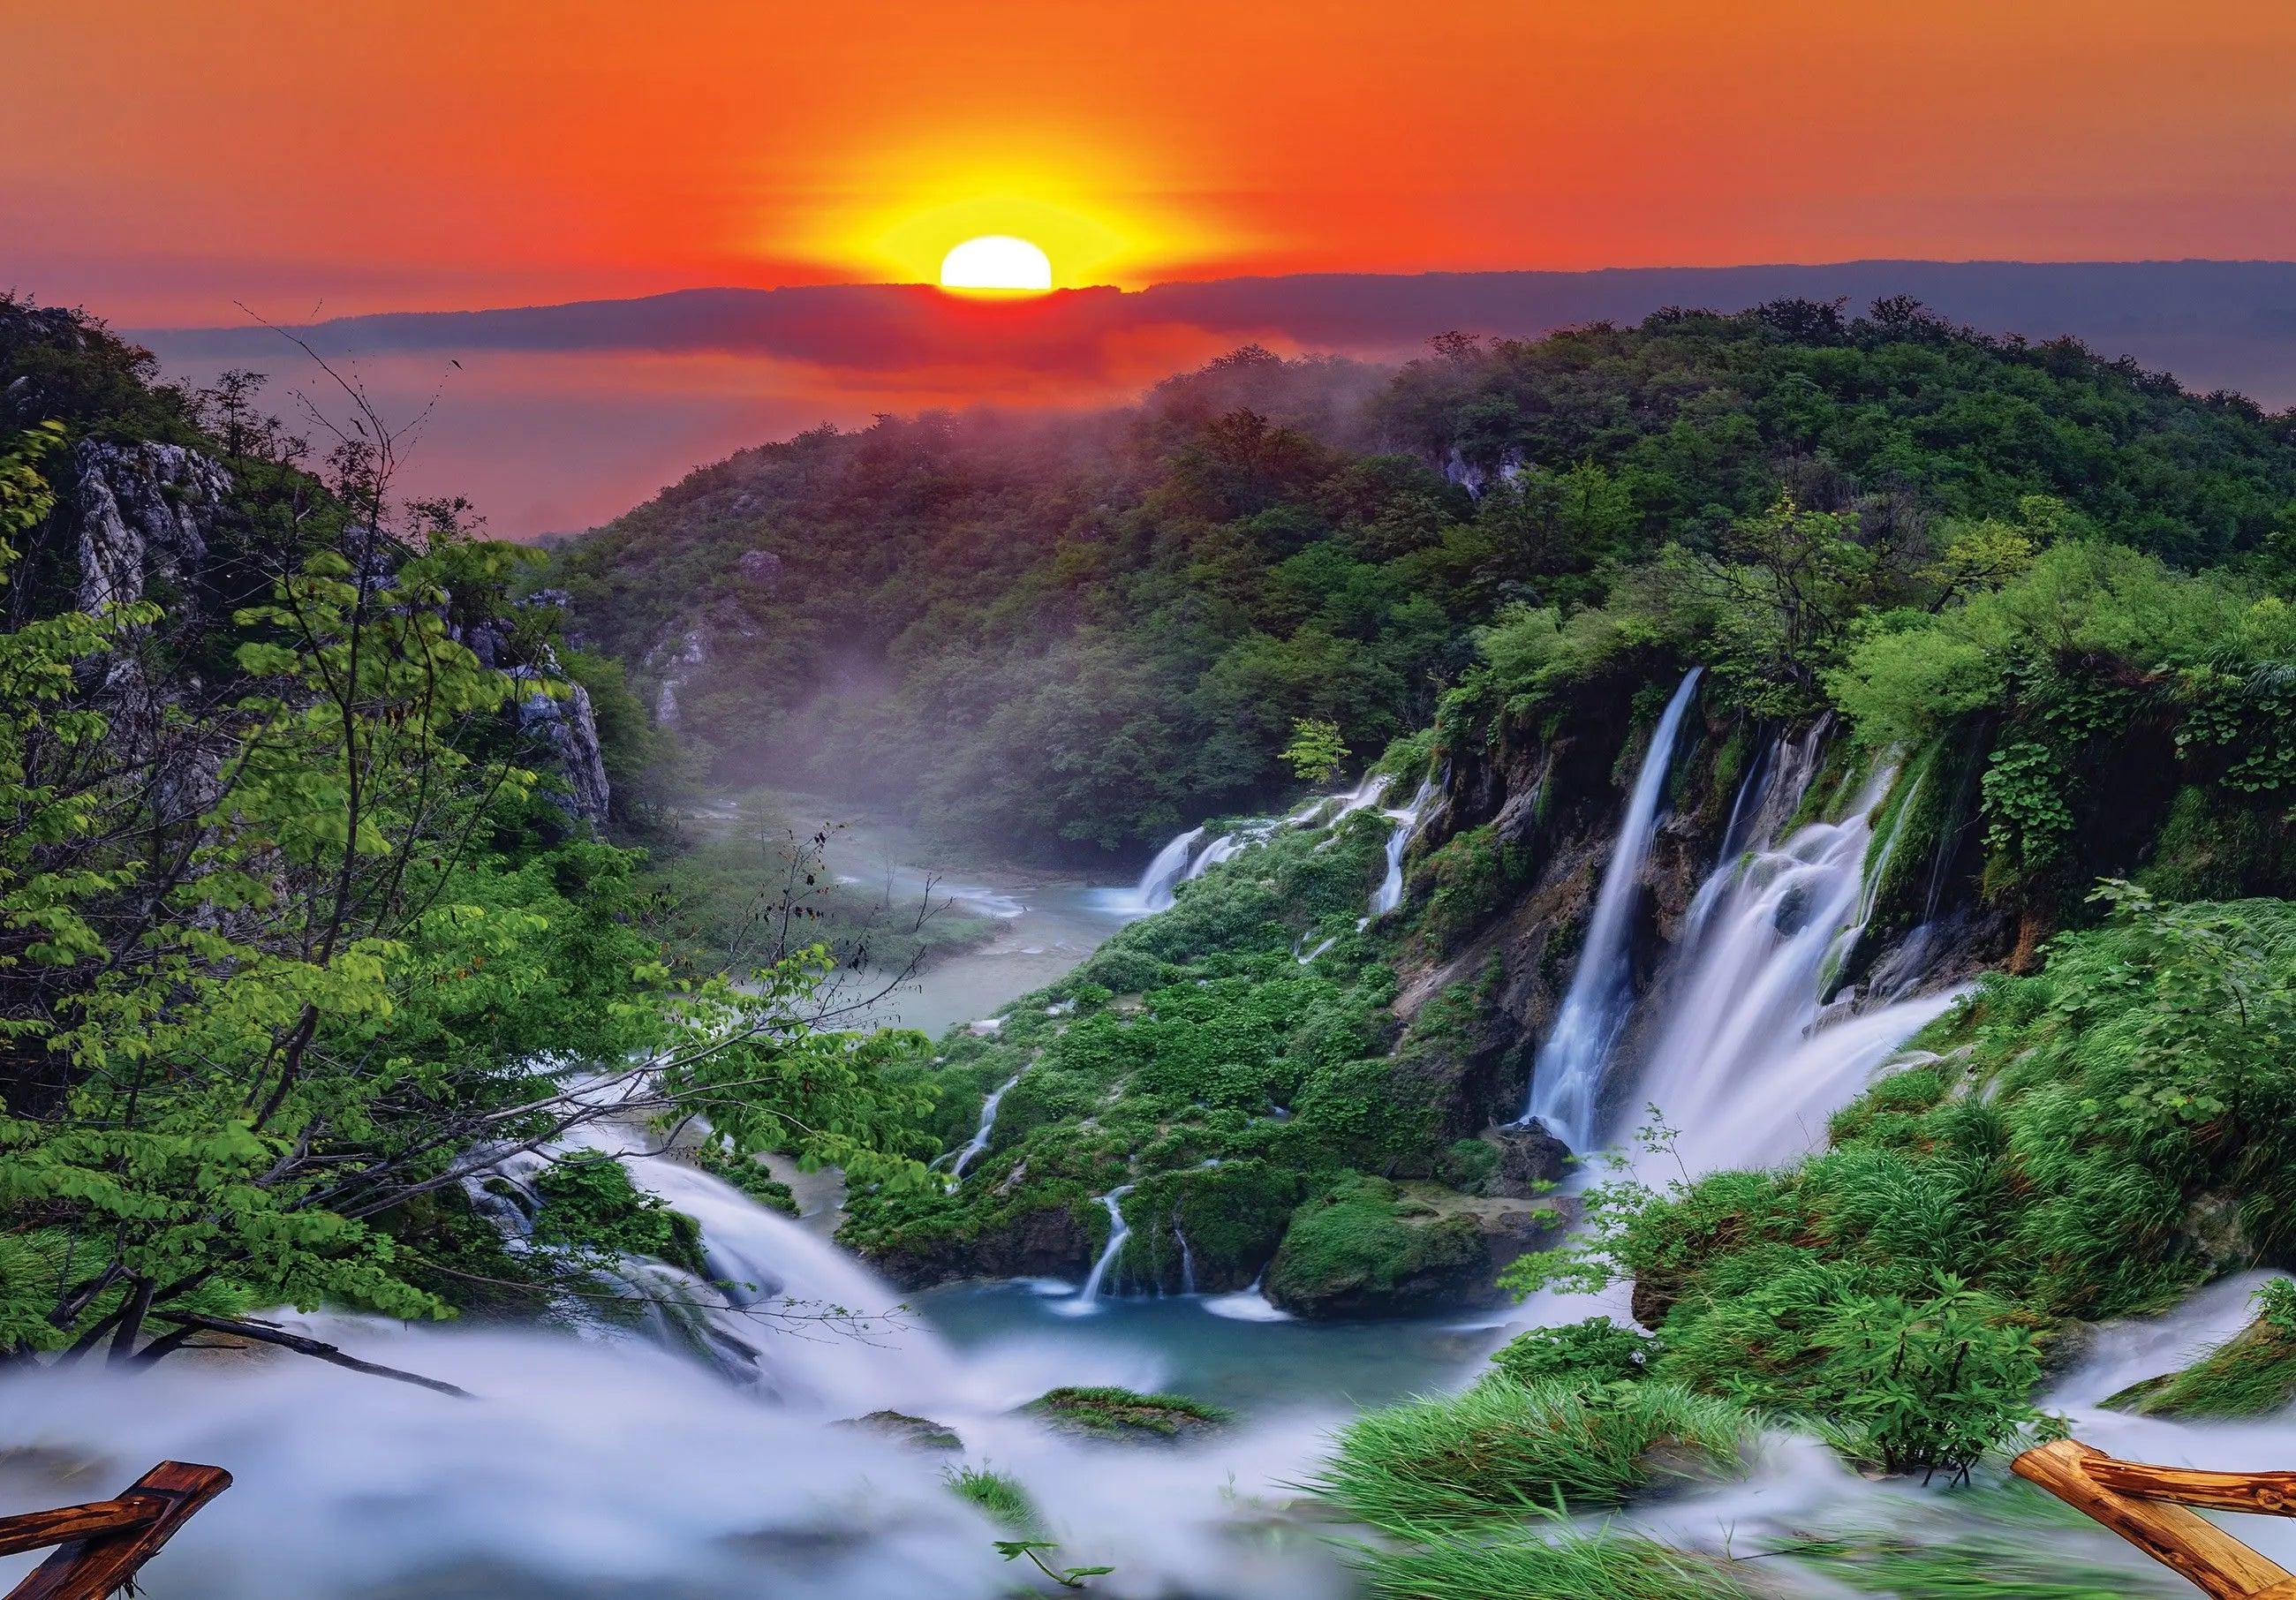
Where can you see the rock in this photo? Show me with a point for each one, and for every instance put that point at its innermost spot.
(1043, 1243)
(569, 727)
(915, 1432)
(762, 568)
(1365, 1250)
(142, 507)
(1530, 1159)
(1125, 1416)
(678, 662)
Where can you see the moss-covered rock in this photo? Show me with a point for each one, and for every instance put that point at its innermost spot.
(915, 1432)
(2253, 1373)
(1125, 1415)
(1373, 1248)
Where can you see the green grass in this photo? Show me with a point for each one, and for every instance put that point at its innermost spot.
(1989, 1566)
(1506, 1449)
(998, 1496)
(2253, 1373)
(1111, 1413)
(1572, 1566)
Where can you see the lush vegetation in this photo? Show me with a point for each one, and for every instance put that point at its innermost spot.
(1085, 635)
(300, 930)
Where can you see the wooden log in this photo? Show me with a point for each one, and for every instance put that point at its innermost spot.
(2182, 1540)
(2267, 1494)
(37, 1530)
(93, 1565)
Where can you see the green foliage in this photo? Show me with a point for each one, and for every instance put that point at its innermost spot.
(292, 942)
(589, 1206)
(1503, 1451)
(1096, 632)
(2056, 1163)
(1109, 1413)
(1602, 1565)
(1596, 1351)
(1000, 1497)
(2253, 1374)
(1316, 750)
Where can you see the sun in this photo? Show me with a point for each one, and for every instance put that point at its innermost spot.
(996, 264)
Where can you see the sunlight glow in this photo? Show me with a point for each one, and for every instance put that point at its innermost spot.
(997, 263)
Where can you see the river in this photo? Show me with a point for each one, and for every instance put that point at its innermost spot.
(595, 1464)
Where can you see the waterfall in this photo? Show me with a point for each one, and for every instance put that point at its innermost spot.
(1747, 1060)
(1082, 1302)
(1187, 1261)
(1404, 826)
(1163, 874)
(1569, 1071)
(987, 1124)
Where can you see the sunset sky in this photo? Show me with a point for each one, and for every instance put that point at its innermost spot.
(167, 157)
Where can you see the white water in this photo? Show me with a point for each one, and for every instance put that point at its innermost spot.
(1086, 1298)
(1162, 875)
(1567, 1076)
(1748, 1063)
(1403, 826)
(980, 1141)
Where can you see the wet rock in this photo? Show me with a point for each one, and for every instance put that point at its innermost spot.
(914, 1433)
(1532, 1160)
(1050, 1242)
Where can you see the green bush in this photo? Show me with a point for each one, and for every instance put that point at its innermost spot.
(590, 1206)
(1595, 1352)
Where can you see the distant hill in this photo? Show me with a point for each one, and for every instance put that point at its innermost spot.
(2214, 325)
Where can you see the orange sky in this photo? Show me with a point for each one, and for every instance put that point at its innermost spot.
(161, 157)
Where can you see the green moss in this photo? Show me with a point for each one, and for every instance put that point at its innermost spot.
(747, 1174)
(1366, 1247)
(1124, 1415)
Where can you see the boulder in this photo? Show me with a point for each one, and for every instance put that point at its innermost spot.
(1532, 1160)
(915, 1432)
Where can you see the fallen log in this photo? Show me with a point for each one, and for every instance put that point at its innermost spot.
(2146, 1506)
(99, 1546)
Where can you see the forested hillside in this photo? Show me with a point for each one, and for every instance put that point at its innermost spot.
(1075, 635)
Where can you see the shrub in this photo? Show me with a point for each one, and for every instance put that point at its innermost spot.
(1596, 1351)
(590, 1206)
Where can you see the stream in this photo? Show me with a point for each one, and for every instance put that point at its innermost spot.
(596, 1464)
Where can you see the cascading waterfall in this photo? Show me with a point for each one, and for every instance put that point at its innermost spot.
(1163, 874)
(1747, 1061)
(1118, 1230)
(1187, 1261)
(1569, 1073)
(1403, 827)
(980, 1141)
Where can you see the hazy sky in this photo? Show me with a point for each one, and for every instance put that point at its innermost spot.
(160, 159)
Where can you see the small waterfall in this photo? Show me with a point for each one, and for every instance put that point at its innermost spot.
(1749, 1062)
(1248, 1305)
(1187, 1261)
(1569, 1071)
(1163, 874)
(988, 1126)
(1405, 826)
(1118, 1230)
